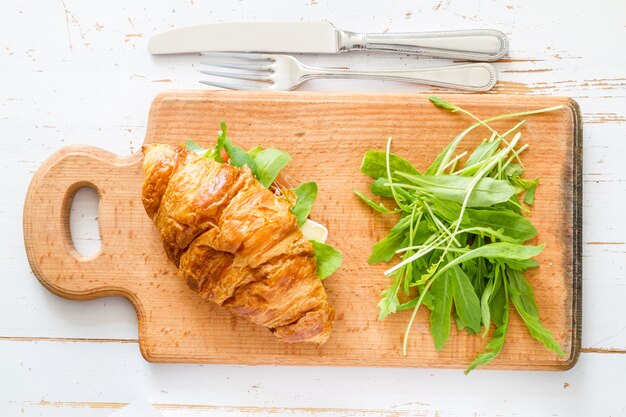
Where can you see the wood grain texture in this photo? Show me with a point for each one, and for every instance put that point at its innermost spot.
(327, 135)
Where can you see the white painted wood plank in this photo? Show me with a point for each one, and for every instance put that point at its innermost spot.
(37, 374)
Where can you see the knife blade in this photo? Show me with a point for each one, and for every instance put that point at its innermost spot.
(323, 37)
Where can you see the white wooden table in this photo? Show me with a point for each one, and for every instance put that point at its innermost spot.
(78, 72)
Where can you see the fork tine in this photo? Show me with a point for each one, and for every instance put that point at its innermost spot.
(253, 67)
(241, 55)
(238, 75)
(237, 85)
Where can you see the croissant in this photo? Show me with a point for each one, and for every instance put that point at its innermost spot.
(235, 242)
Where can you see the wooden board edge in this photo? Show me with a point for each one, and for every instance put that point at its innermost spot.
(67, 198)
(29, 203)
(304, 96)
(299, 362)
(577, 225)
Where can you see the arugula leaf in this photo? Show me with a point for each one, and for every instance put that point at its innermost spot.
(192, 146)
(521, 265)
(389, 302)
(438, 162)
(328, 259)
(499, 250)
(500, 316)
(460, 325)
(485, 311)
(466, 302)
(482, 152)
(520, 288)
(253, 152)
(537, 330)
(446, 209)
(499, 299)
(493, 348)
(221, 138)
(443, 104)
(374, 164)
(529, 197)
(487, 192)
(386, 249)
(428, 300)
(306, 193)
(380, 207)
(513, 171)
(238, 157)
(524, 301)
(407, 271)
(378, 187)
(511, 224)
(482, 269)
(269, 163)
(211, 153)
(264, 164)
(442, 291)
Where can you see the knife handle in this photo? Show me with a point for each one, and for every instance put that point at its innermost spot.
(469, 77)
(472, 45)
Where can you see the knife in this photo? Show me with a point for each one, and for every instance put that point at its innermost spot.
(323, 37)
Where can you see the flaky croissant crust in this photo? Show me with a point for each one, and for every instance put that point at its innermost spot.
(235, 242)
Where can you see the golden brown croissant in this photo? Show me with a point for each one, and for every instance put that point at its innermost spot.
(235, 242)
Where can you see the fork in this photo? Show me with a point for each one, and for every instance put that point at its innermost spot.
(251, 71)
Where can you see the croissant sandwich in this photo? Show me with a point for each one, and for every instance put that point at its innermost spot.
(234, 234)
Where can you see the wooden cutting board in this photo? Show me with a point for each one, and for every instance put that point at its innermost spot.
(327, 135)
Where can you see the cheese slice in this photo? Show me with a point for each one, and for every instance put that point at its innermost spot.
(314, 231)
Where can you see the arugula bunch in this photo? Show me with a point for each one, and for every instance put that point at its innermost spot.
(266, 165)
(460, 236)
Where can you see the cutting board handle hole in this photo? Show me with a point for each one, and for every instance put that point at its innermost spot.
(84, 227)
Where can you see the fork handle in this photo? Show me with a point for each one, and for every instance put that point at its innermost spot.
(472, 45)
(470, 77)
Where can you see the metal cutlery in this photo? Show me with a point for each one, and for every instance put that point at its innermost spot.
(323, 37)
(248, 71)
